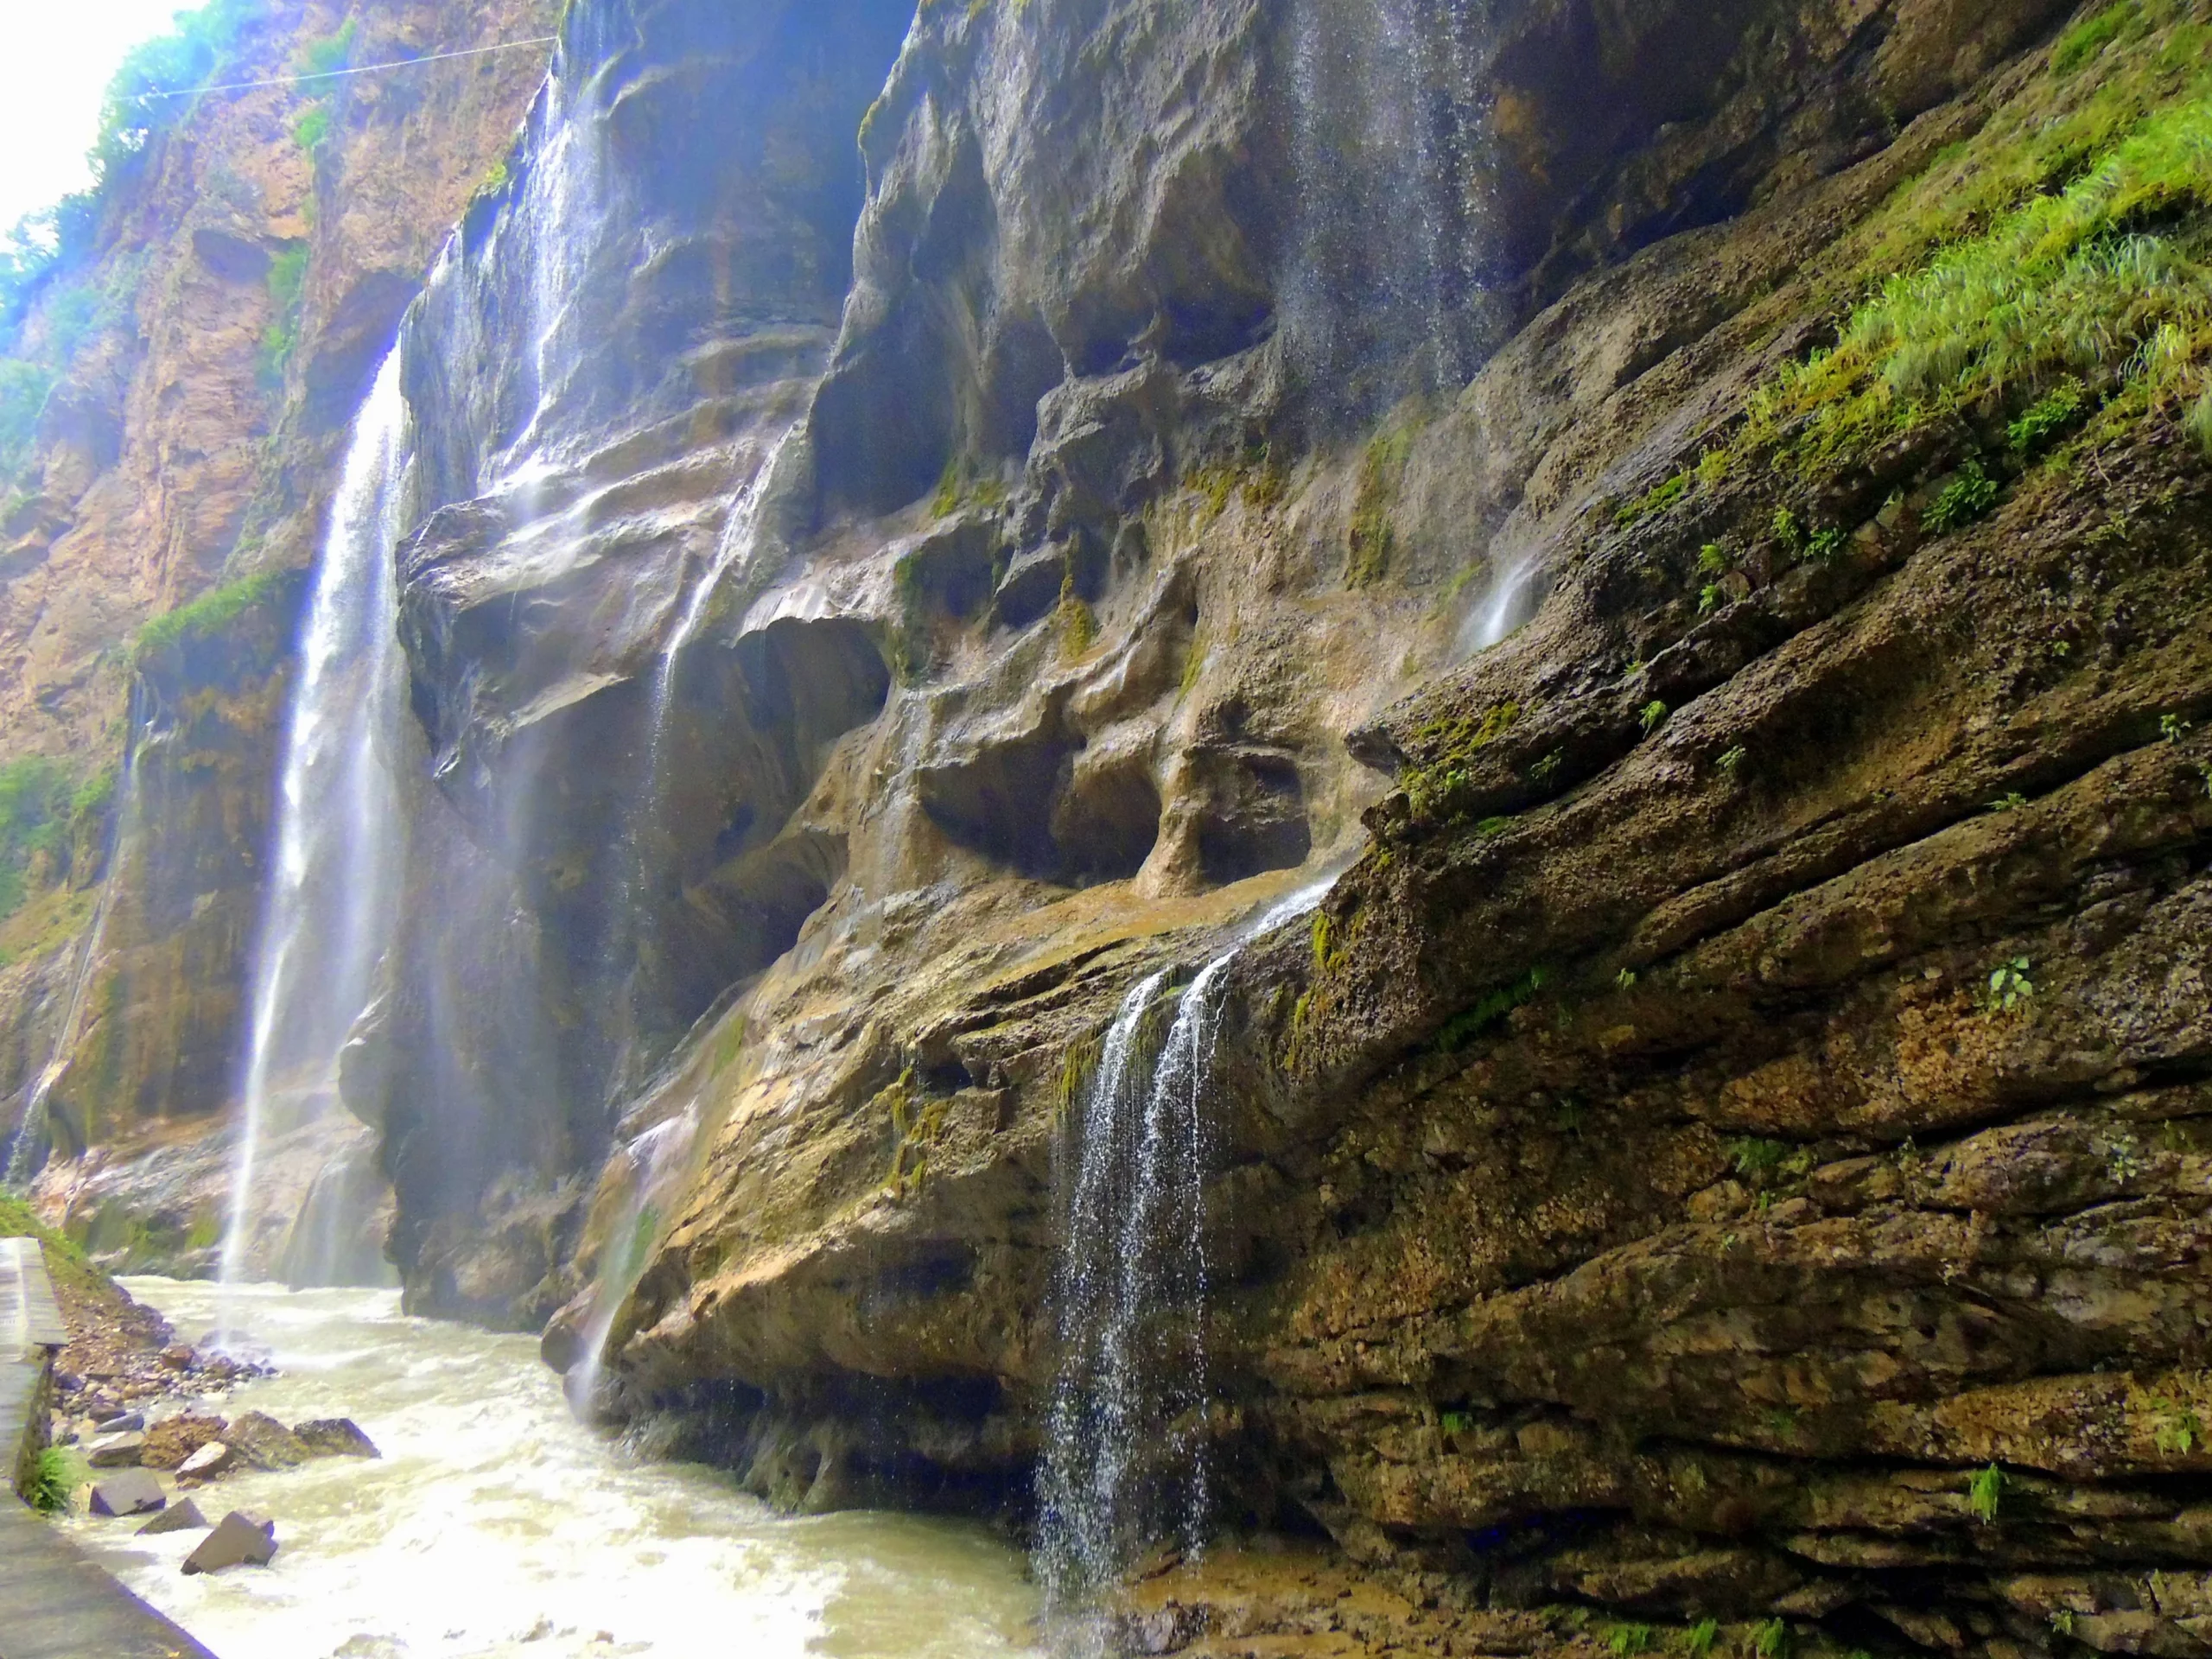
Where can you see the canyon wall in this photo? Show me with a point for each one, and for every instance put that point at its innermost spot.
(251, 266)
(928, 530)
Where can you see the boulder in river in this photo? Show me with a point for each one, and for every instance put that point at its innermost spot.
(129, 1491)
(335, 1436)
(209, 1461)
(239, 1540)
(171, 1440)
(265, 1443)
(183, 1515)
(116, 1450)
(120, 1422)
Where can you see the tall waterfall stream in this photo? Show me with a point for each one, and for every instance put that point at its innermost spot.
(495, 1525)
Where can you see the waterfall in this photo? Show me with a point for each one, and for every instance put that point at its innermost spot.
(1387, 258)
(329, 912)
(653, 1162)
(1125, 1437)
(16, 1170)
(1125, 1446)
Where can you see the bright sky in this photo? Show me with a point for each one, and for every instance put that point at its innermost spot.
(58, 59)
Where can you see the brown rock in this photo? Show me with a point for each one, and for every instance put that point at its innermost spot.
(239, 1540)
(116, 1450)
(209, 1461)
(263, 1442)
(172, 1440)
(335, 1436)
(183, 1515)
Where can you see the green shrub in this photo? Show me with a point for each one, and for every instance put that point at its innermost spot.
(2090, 36)
(211, 611)
(1698, 1640)
(1985, 1492)
(2049, 416)
(311, 127)
(1464, 1028)
(333, 52)
(54, 1476)
(2089, 280)
(1968, 496)
(287, 278)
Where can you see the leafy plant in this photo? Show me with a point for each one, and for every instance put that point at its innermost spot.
(1709, 597)
(2009, 988)
(1455, 1422)
(1712, 560)
(333, 52)
(1788, 530)
(1464, 1028)
(1653, 715)
(2050, 417)
(1825, 544)
(1626, 1641)
(1771, 1640)
(1966, 498)
(2175, 1430)
(2172, 727)
(53, 1477)
(1986, 1493)
(288, 275)
(1732, 762)
(211, 612)
(311, 127)
(2012, 803)
(1698, 1640)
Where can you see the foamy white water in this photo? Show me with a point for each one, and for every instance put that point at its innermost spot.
(495, 1525)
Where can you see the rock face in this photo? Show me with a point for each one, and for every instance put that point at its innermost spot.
(242, 289)
(1726, 1152)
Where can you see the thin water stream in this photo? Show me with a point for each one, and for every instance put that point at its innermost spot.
(494, 1525)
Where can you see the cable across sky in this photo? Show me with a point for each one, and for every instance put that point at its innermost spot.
(336, 74)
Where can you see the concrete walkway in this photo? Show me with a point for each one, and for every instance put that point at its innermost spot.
(54, 1603)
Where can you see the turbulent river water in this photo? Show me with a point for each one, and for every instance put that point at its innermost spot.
(496, 1525)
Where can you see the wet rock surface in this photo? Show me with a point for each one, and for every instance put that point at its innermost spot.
(1724, 1168)
(238, 1539)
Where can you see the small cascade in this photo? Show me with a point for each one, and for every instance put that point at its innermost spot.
(23, 1151)
(1509, 600)
(1383, 297)
(1125, 1465)
(654, 1164)
(340, 831)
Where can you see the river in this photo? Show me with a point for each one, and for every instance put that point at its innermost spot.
(496, 1525)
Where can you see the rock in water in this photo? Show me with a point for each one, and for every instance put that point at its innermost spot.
(181, 1517)
(335, 1436)
(239, 1540)
(265, 1443)
(209, 1461)
(116, 1450)
(134, 1491)
(170, 1441)
(120, 1422)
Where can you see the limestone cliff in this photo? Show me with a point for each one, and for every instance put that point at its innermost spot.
(1724, 1149)
(251, 264)
(927, 528)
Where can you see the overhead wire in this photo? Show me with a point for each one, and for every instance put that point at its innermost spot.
(335, 74)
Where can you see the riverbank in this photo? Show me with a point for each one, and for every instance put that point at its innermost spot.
(55, 1603)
